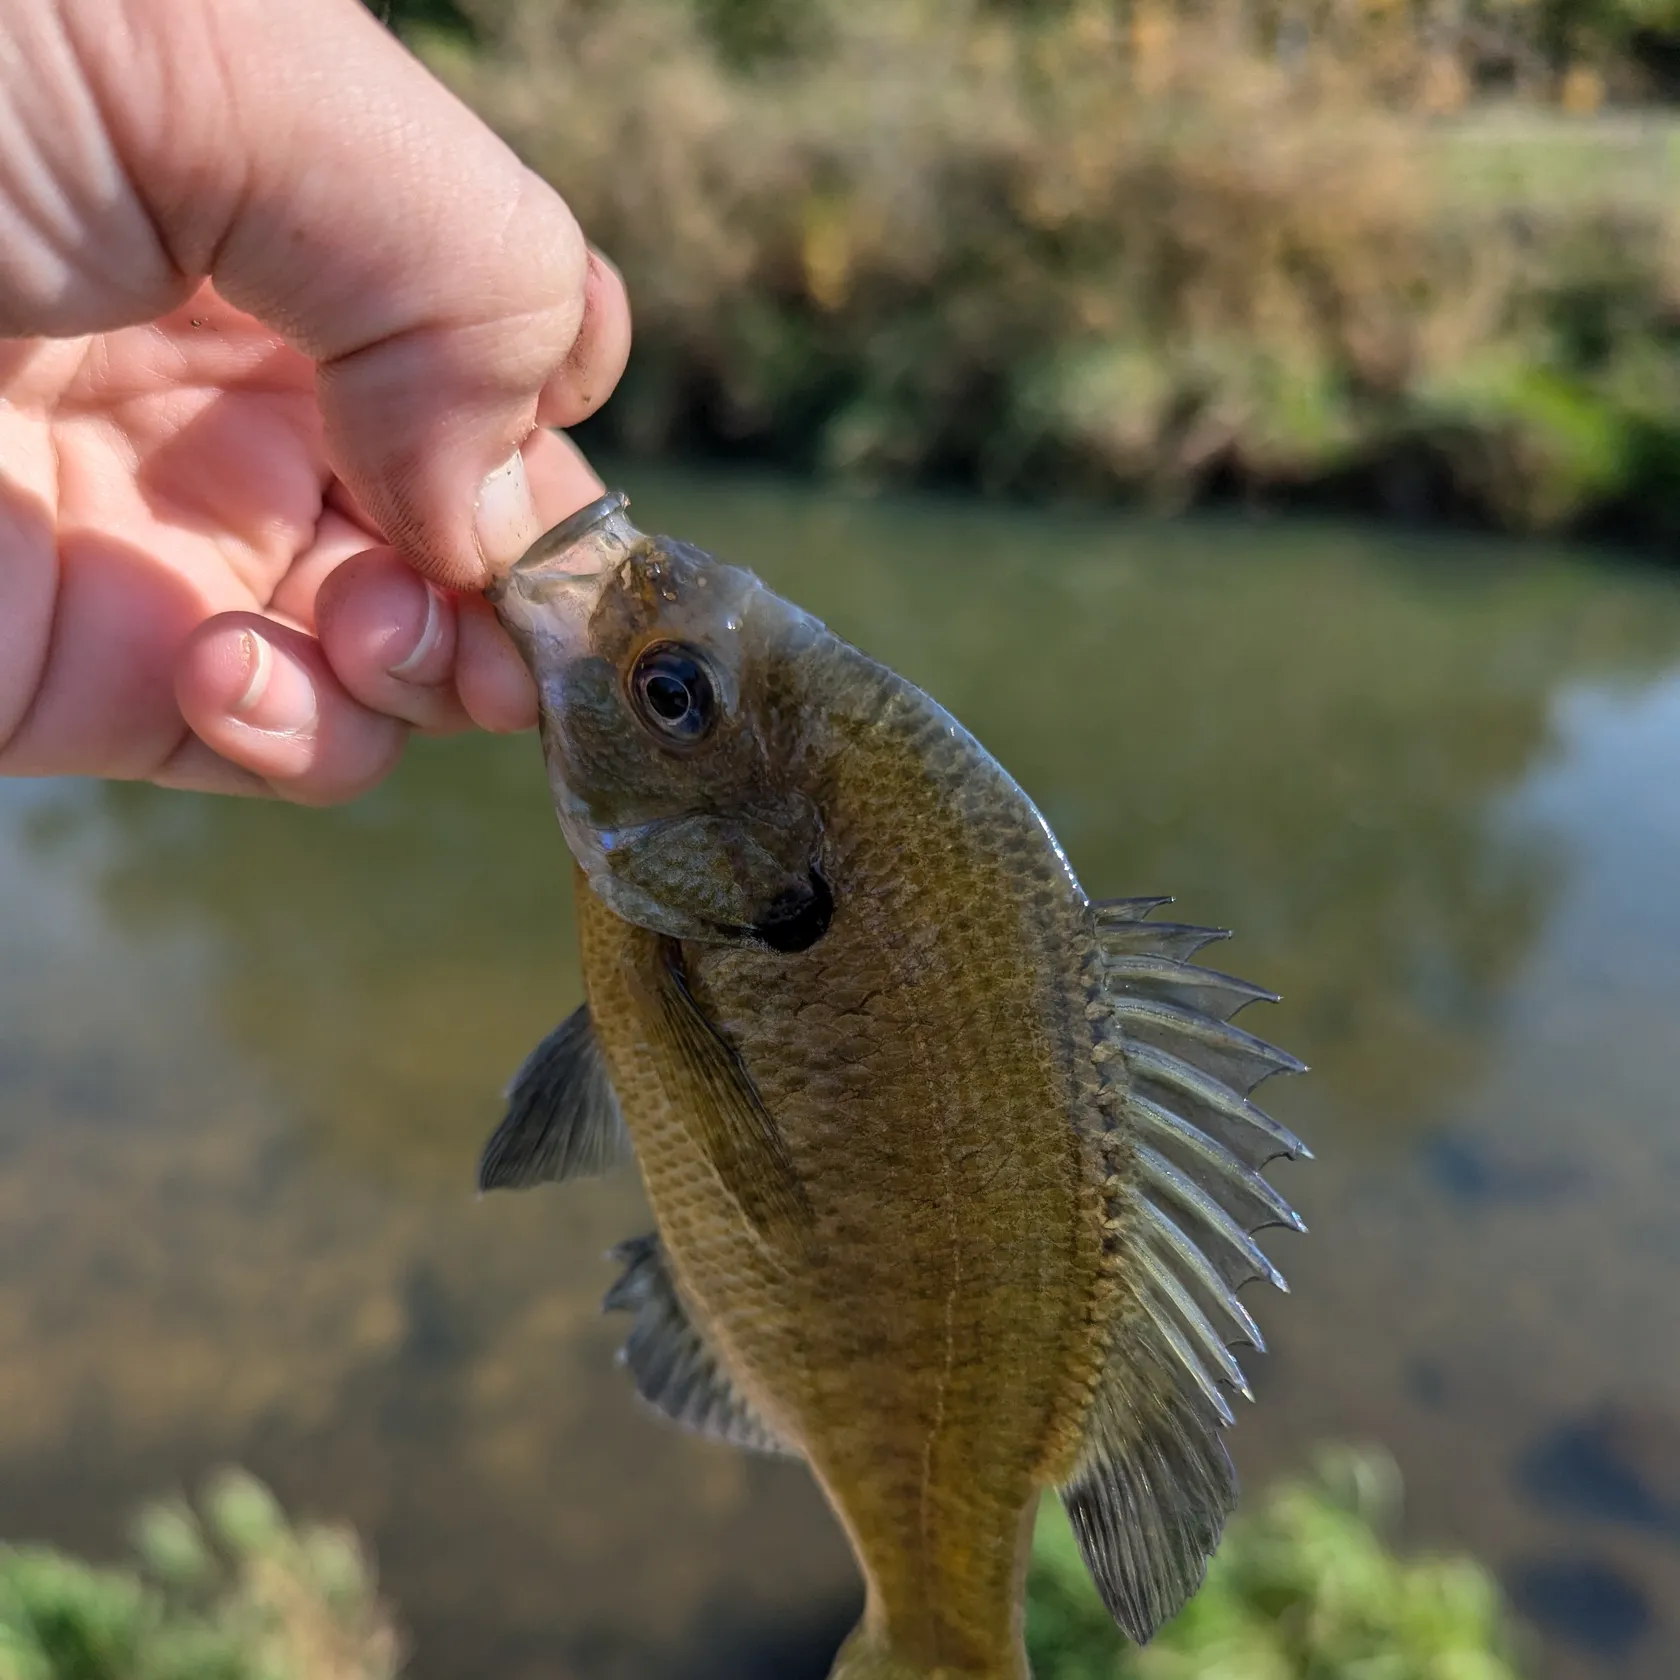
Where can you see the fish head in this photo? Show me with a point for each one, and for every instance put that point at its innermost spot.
(664, 679)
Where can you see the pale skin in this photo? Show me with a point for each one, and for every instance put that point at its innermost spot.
(283, 326)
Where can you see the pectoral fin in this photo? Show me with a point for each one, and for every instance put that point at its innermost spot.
(562, 1120)
(737, 1132)
(674, 1368)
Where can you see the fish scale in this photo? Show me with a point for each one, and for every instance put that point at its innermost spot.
(952, 1170)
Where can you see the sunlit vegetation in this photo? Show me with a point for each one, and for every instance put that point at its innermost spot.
(1306, 1587)
(1403, 256)
(231, 1591)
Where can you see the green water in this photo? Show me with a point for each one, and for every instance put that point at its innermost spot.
(248, 1055)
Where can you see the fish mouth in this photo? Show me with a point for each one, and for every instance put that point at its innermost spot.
(604, 517)
(546, 599)
(796, 919)
(575, 557)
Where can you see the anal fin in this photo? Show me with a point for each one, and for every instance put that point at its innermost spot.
(562, 1119)
(674, 1369)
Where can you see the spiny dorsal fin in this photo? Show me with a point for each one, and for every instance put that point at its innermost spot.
(737, 1132)
(1156, 975)
(1192, 1140)
(674, 1369)
(1217, 1048)
(1123, 912)
(1179, 940)
(562, 1119)
(1155, 1484)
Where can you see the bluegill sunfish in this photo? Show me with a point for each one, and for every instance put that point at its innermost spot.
(955, 1171)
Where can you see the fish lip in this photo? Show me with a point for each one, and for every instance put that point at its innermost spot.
(562, 555)
(571, 528)
(548, 597)
(797, 920)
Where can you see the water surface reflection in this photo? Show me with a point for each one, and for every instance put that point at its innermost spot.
(247, 1056)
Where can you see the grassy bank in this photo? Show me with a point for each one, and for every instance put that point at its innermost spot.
(1120, 251)
(1305, 1588)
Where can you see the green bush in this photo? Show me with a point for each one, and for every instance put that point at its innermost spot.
(1304, 1587)
(234, 1592)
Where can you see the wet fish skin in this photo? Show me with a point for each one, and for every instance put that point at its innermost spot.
(858, 1018)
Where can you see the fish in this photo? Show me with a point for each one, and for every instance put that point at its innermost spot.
(954, 1171)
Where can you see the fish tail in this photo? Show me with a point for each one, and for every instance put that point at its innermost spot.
(865, 1656)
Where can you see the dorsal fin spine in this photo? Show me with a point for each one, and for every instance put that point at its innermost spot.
(1174, 939)
(1197, 1029)
(1149, 968)
(1161, 1173)
(1162, 1122)
(1125, 909)
(1148, 1062)
(1192, 1318)
(1190, 1256)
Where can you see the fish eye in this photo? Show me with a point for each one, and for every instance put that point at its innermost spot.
(673, 693)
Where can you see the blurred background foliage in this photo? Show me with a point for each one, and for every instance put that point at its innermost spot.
(229, 1592)
(1304, 1588)
(1417, 255)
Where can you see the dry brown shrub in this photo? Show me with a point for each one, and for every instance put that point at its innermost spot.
(1113, 247)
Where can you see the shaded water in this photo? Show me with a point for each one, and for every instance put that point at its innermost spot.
(248, 1055)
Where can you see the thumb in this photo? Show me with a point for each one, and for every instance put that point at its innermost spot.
(426, 426)
(333, 188)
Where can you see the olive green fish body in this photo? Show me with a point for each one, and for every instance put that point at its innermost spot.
(929, 1340)
(953, 1171)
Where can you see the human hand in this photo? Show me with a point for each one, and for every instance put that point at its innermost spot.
(281, 315)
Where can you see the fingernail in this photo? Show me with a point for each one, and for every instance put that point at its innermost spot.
(279, 697)
(431, 633)
(506, 518)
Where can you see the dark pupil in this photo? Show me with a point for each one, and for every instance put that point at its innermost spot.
(675, 692)
(669, 696)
